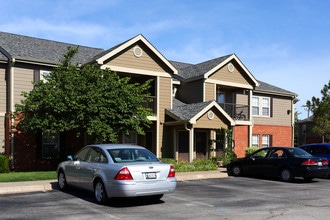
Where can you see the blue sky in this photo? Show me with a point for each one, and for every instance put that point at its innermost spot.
(282, 42)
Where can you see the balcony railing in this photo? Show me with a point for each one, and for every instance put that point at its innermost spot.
(152, 104)
(237, 112)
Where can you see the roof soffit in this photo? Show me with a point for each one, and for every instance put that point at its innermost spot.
(111, 53)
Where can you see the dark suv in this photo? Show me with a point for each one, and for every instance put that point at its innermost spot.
(318, 149)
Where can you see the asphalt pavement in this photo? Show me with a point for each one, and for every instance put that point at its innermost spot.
(46, 185)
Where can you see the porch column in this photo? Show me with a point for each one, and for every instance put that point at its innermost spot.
(191, 145)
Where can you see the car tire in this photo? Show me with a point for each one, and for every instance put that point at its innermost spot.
(61, 180)
(236, 170)
(286, 175)
(100, 193)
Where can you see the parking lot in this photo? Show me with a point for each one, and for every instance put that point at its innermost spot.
(220, 198)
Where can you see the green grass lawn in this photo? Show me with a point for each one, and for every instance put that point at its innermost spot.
(197, 165)
(27, 176)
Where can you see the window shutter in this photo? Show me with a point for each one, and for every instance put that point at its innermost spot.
(271, 107)
(36, 75)
(270, 140)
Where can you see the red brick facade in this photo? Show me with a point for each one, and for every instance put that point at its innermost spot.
(280, 136)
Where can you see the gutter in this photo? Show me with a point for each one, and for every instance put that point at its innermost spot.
(11, 110)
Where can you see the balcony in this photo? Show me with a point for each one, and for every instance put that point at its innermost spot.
(236, 111)
(152, 104)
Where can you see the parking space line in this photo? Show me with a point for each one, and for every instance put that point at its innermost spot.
(189, 201)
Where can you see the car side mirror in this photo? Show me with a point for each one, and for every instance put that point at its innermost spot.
(70, 157)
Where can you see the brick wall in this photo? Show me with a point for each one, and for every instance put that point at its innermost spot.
(241, 140)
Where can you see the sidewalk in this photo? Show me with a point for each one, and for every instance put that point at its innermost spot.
(46, 185)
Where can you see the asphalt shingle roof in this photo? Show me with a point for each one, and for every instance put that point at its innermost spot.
(265, 87)
(36, 49)
(187, 111)
(187, 71)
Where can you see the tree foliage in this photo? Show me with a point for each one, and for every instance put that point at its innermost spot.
(321, 112)
(84, 99)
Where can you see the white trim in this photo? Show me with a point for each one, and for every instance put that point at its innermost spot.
(157, 121)
(212, 104)
(136, 71)
(102, 59)
(232, 57)
(225, 83)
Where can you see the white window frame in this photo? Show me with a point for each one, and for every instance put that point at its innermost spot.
(255, 140)
(42, 74)
(265, 140)
(261, 106)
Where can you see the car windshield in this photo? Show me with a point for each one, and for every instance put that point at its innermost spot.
(297, 152)
(132, 155)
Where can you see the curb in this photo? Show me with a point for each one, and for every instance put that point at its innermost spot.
(47, 185)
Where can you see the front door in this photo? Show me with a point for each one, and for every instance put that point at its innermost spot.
(183, 145)
(201, 144)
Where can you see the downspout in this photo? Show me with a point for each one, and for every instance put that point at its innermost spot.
(11, 110)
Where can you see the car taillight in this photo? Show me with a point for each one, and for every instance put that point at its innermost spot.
(309, 162)
(124, 174)
(172, 172)
(325, 162)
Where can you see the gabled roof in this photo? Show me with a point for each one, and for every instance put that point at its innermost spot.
(191, 112)
(268, 88)
(30, 49)
(205, 69)
(101, 58)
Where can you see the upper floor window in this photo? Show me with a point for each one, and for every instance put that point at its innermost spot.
(261, 106)
(44, 73)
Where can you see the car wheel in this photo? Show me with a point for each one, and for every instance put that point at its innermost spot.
(286, 175)
(236, 170)
(100, 193)
(62, 184)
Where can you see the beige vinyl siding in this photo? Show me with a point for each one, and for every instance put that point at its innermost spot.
(148, 61)
(23, 79)
(280, 116)
(215, 123)
(242, 99)
(191, 92)
(209, 92)
(2, 90)
(165, 95)
(236, 76)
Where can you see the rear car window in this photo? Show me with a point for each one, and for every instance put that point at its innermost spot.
(132, 155)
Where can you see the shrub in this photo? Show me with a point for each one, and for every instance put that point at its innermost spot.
(4, 164)
(196, 165)
(250, 150)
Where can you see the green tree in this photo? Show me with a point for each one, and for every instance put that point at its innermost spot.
(321, 112)
(86, 100)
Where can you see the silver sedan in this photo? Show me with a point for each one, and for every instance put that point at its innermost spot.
(117, 170)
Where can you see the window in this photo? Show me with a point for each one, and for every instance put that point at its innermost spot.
(265, 140)
(255, 140)
(261, 106)
(44, 73)
(50, 146)
(131, 138)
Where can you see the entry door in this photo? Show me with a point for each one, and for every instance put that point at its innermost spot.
(183, 145)
(201, 144)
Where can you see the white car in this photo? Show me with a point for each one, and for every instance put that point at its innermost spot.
(117, 170)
